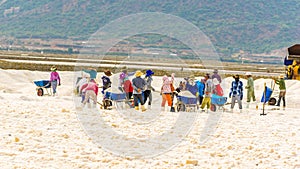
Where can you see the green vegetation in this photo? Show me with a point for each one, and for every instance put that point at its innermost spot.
(249, 25)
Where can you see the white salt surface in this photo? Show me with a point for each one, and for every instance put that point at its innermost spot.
(45, 132)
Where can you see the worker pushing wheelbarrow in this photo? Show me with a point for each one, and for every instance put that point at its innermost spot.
(217, 102)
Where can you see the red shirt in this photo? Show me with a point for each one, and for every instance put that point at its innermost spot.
(128, 86)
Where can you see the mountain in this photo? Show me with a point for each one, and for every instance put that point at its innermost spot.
(255, 26)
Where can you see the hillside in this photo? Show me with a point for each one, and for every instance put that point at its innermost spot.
(253, 26)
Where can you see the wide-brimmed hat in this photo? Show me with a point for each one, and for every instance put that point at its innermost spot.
(138, 73)
(192, 77)
(248, 74)
(53, 68)
(107, 73)
(281, 76)
(149, 73)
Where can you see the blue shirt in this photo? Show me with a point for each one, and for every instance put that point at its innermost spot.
(201, 87)
(192, 88)
(138, 83)
(236, 89)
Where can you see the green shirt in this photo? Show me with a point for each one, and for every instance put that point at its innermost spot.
(250, 83)
(281, 84)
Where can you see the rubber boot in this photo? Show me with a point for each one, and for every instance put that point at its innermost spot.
(247, 105)
(278, 103)
(143, 108)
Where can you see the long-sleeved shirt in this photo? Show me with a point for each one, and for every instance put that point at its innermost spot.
(192, 88)
(281, 84)
(149, 80)
(215, 75)
(236, 89)
(208, 88)
(54, 76)
(106, 82)
(127, 86)
(138, 85)
(166, 87)
(250, 84)
(90, 86)
(201, 87)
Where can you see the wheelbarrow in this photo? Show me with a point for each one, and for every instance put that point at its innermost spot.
(42, 85)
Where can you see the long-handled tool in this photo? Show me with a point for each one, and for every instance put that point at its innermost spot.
(264, 100)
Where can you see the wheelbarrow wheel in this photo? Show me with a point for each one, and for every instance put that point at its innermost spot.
(213, 107)
(272, 101)
(40, 92)
(180, 107)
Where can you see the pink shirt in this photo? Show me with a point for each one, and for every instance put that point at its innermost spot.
(91, 86)
(166, 87)
(54, 76)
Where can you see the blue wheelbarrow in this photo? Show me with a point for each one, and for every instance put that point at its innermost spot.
(219, 101)
(41, 86)
(185, 103)
(267, 95)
